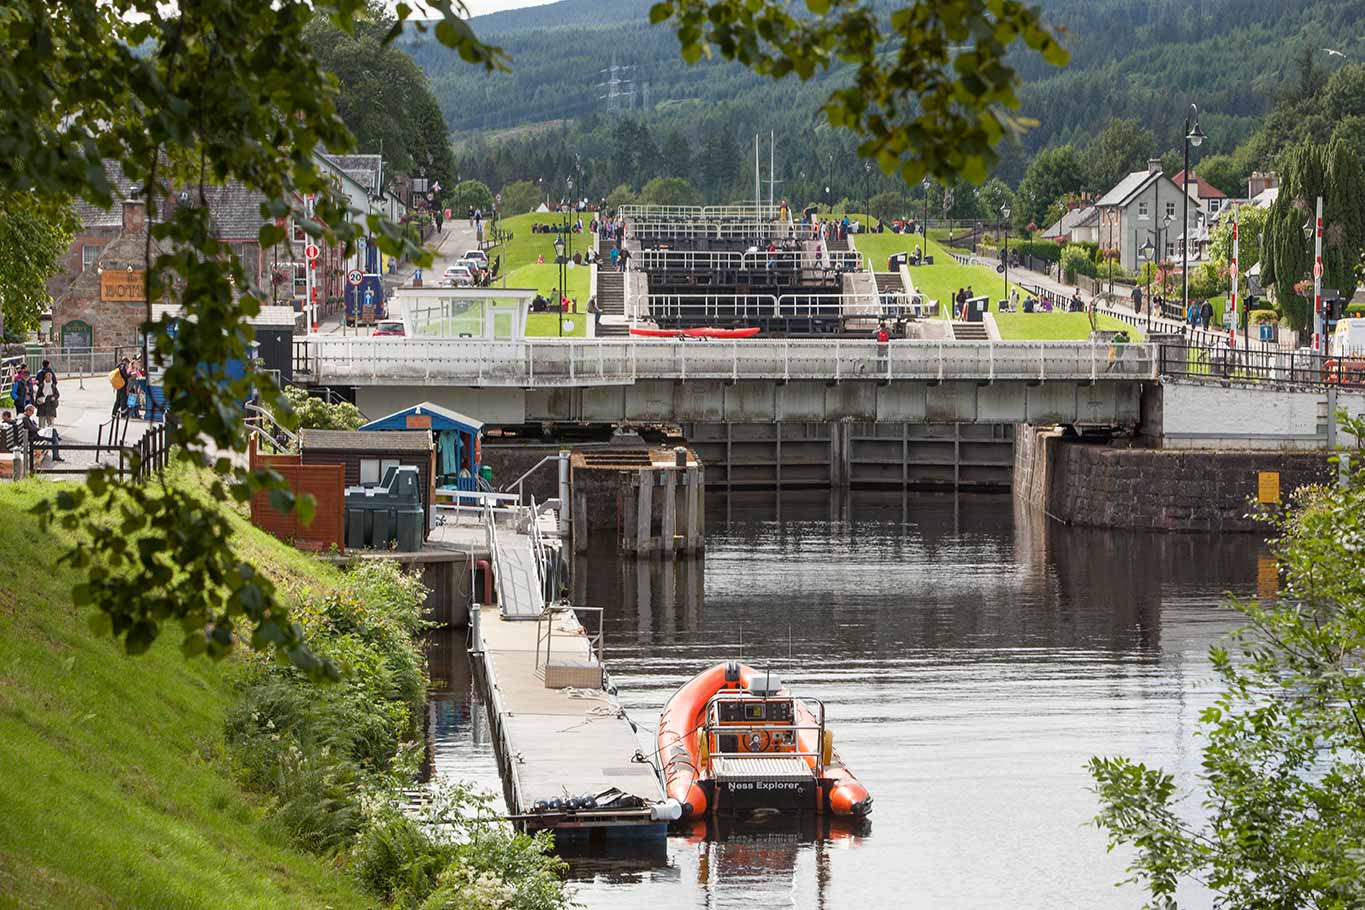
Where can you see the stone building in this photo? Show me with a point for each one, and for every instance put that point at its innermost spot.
(106, 301)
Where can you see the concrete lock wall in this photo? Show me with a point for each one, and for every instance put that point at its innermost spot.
(1098, 485)
(795, 454)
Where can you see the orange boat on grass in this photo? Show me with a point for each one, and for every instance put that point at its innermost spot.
(734, 741)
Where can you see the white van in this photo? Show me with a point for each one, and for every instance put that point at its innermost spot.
(1349, 338)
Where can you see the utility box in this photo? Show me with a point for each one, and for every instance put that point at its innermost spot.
(386, 515)
(976, 309)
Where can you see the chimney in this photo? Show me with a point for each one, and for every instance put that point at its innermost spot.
(1154, 165)
(134, 216)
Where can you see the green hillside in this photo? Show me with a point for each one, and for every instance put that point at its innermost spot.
(114, 789)
(1140, 59)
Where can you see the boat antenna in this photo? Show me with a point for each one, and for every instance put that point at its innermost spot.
(741, 640)
(789, 643)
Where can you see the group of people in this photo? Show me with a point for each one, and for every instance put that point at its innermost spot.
(1046, 301)
(1199, 314)
(131, 395)
(541, 304)
(35, 401)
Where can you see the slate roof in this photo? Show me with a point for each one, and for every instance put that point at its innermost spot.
(1127, 188)
(377, 441)
(91, 215)
(363, 169)
(235, 210)
(1074, 218)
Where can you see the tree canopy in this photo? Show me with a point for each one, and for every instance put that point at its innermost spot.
(1333, 172)
(34, 234)
(187, 94)
(1052, 174)
(928, 96)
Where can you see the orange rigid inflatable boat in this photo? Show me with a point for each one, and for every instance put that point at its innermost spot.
(734, 741)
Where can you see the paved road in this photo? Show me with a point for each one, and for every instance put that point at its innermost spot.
(455, 238)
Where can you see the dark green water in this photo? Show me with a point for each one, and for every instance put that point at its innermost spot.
(971, 656)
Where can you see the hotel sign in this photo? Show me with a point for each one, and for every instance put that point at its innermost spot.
(121, 286)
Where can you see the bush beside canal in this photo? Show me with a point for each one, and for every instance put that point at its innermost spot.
(164, 782)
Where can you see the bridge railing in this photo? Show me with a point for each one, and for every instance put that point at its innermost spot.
(550, 363)
(1222, 362)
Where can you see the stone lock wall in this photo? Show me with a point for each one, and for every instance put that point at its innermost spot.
(1158, 489)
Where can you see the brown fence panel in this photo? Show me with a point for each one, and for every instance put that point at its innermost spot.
(326, 483)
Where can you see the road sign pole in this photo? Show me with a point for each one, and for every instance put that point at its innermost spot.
(1319, 336)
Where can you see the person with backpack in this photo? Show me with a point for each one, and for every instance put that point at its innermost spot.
(118, 378)
(47, 395)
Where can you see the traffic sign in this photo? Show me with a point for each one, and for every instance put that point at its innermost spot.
(355, 276)
(311, 251)
(1317, 270)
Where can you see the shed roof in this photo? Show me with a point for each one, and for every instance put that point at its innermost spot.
(441, 419)
(415, 441)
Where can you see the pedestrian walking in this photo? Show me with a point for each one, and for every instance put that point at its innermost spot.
(118, 378)
(1137, 300)
(596, 310)
(625, 258)
(1206, 314)
(46, 394)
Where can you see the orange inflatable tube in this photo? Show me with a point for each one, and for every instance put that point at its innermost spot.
(681, 744)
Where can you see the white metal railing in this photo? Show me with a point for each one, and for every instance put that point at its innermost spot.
(598, 362)
(721, 230)
(700, 212)
(730, 306)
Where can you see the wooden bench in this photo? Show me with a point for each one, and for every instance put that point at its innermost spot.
(12, 463)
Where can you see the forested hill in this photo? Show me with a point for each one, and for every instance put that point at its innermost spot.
(1141, 59)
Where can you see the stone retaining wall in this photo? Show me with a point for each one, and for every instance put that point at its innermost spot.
(1103, 486)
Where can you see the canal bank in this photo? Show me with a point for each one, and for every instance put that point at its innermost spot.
(973, 656)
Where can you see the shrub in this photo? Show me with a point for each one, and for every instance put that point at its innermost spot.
(313, 413)
(1040, 249)
(1076, 262)
(395, 857)
(1355, 309)
(1260, 316)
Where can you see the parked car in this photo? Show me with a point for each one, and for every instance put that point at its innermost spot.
(391, 327)
(478, 256)
(475, 267)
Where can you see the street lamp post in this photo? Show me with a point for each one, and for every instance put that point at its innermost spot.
(559, 301)
(1148, 252)
(867, 186)
(1005, 215)
(924, 228)
(1193, 136)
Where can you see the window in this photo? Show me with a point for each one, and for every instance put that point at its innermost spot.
(301, 280)
(1170, 250)
(297, 233)
(90, 252)
(1170, 210)
(1142, 211)
(1214, 204)
(372, 470)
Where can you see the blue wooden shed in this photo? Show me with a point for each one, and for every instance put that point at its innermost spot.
(458, 441)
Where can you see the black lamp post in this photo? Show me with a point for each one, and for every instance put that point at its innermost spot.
(924, 228)
(1193, 136)
(1005, 215)
(559, 302)
(1148, 252)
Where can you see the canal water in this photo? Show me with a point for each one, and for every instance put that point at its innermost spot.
(972, 657)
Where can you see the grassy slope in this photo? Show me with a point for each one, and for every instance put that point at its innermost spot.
(114, 794)
(942, 279)
(519, 257)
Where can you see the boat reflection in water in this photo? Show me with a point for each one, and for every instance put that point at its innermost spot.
(776, 855)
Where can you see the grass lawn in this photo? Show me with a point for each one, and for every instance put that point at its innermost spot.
(525, 247)
(545, 278)
(116, 795)
(1057, 326)
(939, 281)
(542, 325)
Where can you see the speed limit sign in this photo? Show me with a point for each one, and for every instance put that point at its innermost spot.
(355, 276)
(311, 251)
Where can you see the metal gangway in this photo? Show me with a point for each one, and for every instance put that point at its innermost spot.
(520, 560)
